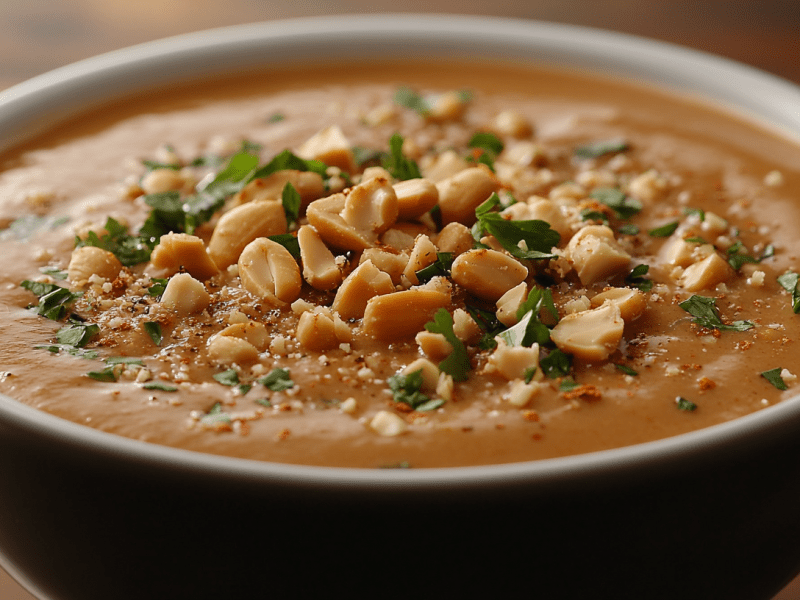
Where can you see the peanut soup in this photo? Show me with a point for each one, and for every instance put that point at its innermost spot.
(401, 265)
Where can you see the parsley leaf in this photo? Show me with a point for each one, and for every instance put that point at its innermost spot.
(229, 377)
(399, 166)
(737, 255)
(153, 329)
(288, 160)
(598, 149)
(439, 267)
(527, 239)
(556, 364)
(636, 278)
(774, 377)
(77, 334)
(157, 286)
(705, 313)
(529, 329)
(129, 249)
(684, 404)
(156, 385)
(626, 369)
(457, 363)
(624, 207)
(788, 281)
(277, 380)
(628, 229)
(406, 388)
(665, 230)
(54, 300)
(489, 145)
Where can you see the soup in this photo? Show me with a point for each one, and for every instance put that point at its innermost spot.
(399, 265)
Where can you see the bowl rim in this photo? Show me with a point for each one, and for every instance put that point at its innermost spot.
(35, 105)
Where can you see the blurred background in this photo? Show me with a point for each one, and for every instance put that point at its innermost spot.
(39, 35)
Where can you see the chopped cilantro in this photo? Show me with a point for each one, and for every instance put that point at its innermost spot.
(153, 329)
(157, 286)
(290, 198)
(364, 156)
(406, 388)
(408, 98)
(636, 278)
(529, 329)
(440, 267)
(263, 402)
(527, 239)
(124, 360)
(624, 207)
(71, 350)
(556, 364)
(129, 249)
(488, 323)
(156, 385)
(695, 240)
(587, 214)
(626, 369)
(229, 377)
(288, 241)
(457, 364)
(24, 227)
(287, 160)
(54, 272)
(684, 404)
(737, 255)
(567, 384)
(788, 281)
(774, 377)
(489, 145)
(598, 149)
(665, 230)
(107, 374)
(701, 214)
(629, 229)
(277, 380)
(276, 117)
(54, 300)
(399, 166)
(705, 313)
(76, 334)
(529, 374)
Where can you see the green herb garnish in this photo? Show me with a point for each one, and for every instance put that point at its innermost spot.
(155, 385)
(54, 272)
(408, 98)
(624, 207)
(788, 281)
(406, 388)
(276, 117)
(529, 329)
(24, 227)
(153, 329)
(774, 377)
(665, 230)
(738, 256)
(490, 145)
(598, 149)
(556, 364)
(457, 364)
(628, 229)
(290, 198)
(229, 377)
(684, 404)
(527, 239)
(288, 241)
(636, 278)
(440, 267)
(277, 380)
(54, 300)
(77, 334)
(157, 286)
(705, 313)
(626, 369)
(399, 166)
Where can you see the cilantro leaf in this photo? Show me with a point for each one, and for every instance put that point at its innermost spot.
(774, 377)
(626, 369)
(399, 166)
(54, 300)
(489, 145)
(556, 364)
(529, 329)
(290, 198)
(788, 281)
(107, 374)
(129, 249)
(440, 267)
(288, 241)
(277, 380)
(636, 278)
(684, 404)
(665, 230)
(705, 313)
(406, 388)
(624, 207)
(408, 98)
(153, 329)
(229, 377)
(597, 149)
(286, 160)
(77, 334)
(457, 363)
(527, 239)
(737, 255)
(157, 385)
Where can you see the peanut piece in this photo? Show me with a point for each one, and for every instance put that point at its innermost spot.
(402, 314)
(90, 260)
(185, 295)
(433, 345)
(423, 254)
(592, 334)
(316, 331)
(511, 123)
(162, 180)
(462, 193)
(512, 362)
(508, 304)
(269, 271)
(454, 238)
(415, 197)
(319, 264)
(331, 147)
(229, 350)
(707, 273)
(388, 424)
(487, 274)
(307, 183)
(253, 332)
(240, 226)
(183, 252)
(430, 373)
(631, 302)
(365, 282)
(595, 254)
(355, 220)
(388, 262)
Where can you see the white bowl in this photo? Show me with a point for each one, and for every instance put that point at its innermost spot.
(85, 514)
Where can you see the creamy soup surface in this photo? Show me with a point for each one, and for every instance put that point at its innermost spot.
(395, 265)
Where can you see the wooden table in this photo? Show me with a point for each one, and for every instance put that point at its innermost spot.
(39, 35)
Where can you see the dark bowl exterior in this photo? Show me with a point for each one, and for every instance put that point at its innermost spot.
(87, 515)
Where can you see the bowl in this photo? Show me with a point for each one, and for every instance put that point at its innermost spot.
(86, 514)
